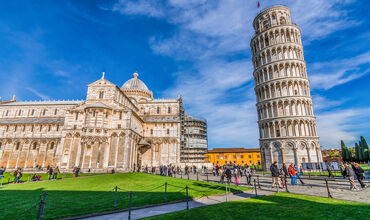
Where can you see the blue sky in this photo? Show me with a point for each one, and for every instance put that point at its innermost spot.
(53, 49)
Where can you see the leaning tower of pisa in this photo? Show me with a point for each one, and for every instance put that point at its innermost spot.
(286, 120)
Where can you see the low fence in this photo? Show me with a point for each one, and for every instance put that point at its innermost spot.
(54, 205)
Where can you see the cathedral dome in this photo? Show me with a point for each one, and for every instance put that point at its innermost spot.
(135, 84)
(135, 88)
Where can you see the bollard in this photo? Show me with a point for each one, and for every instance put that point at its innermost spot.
(255, 187)
(286, 185)
(181, 175)
(40, 214)
(207, 176)
(115, 197)
(226, 191)
(327, 188)
(165, 192)
(188, 176)
(197, 177)
(258, 181)
(187, 198)
(309, 175)
(129, 206)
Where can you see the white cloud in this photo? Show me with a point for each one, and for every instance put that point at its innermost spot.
(140, 7)
(343, 125)
(220, 87)
(326, 75)
(39, 94)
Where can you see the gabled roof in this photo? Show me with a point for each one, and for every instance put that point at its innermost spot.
(98, 105)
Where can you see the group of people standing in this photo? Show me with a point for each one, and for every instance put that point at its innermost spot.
(235, 171)
(53, 173)
(279, 176)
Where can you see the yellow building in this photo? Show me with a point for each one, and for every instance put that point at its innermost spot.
(238, 156)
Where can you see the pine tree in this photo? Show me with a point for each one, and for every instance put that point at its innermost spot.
(343, 149)
(365, 149)
(357, 153)
(360, 152)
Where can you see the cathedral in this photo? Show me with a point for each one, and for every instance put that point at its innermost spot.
(114, 128)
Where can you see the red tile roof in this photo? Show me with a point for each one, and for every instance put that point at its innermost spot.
(233, 150)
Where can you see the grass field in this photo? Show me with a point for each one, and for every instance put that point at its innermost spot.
(83, 195)
(8, 176)
(277, 206)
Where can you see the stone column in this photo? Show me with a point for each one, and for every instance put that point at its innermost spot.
(271, 155)
(308, 154)
(283, 154)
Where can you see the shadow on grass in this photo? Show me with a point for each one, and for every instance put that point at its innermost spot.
(278, 206)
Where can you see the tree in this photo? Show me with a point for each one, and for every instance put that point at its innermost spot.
(357, 152)
(343, 149)
(365, 147)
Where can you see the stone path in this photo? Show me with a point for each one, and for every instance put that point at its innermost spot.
(315, 186)
(174, 207)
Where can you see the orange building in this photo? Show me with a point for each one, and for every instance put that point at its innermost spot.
(238, 156)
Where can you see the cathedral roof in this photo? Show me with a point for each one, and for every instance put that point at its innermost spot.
(135, 84)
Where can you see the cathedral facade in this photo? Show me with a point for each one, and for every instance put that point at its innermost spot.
(121, 128)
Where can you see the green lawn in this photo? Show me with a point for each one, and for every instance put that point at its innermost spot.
(277, 206)
(8, 176)
(76, 196)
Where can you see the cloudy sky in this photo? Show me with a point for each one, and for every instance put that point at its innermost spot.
(53, 49)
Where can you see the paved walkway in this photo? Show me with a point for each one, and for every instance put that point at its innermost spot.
(315, 186)
(174, 207)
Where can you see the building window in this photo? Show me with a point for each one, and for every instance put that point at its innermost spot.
(250, 156)
(76, 118)
(32, 128)
(74, 126)
(258, 156)
(119, 126)
(120, 115)
(34, 146)
(217, 161)
(17, 146)
(169, 109)
(234, 156)
(158, 110)
(57, 127)
(44, 112)
(52, 146)
(234, 161)
(242, 161)
(101, 95)
(40, 127)
(1, 144)
(33, 111)
(19, 112)
(49, 128)
(242, 156)
(56, 111)
(7, 112)
(250, 161)
(151, 131)
(168, 131)
(225, 157)
(15, 128)
(216, 157)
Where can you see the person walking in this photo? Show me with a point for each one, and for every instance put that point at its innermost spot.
(228, 175)
(2, 171)
(248, 174)
(293, 175)
(222, 175)
(360, 175)
(50, 172)
(55, 173)
(236, 179)
(329, 171)
(350, 174)
(275, 175)
(299, 174)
